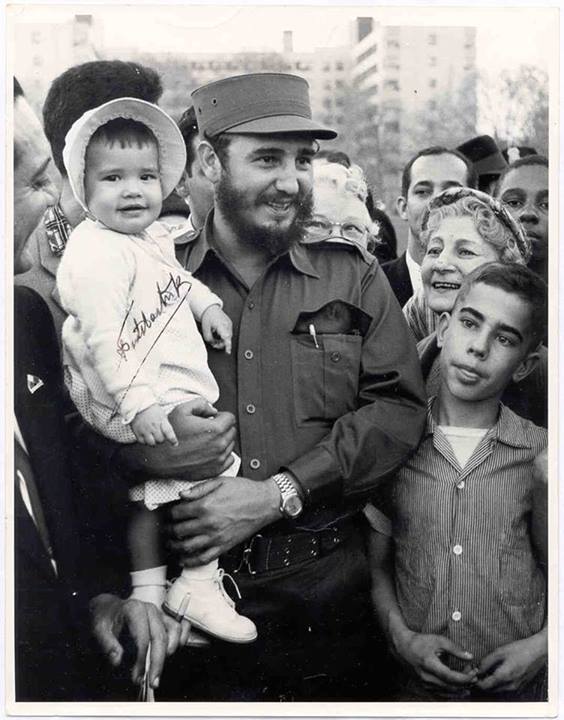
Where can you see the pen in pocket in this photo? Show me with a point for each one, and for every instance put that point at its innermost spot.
(313, 334)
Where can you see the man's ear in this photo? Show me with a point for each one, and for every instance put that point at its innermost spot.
(209, 161)
(401, 207)
(182, 187)
(527, 366)
(444, 322)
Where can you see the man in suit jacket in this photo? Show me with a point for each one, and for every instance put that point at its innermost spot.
(427, 173)
(51, 598)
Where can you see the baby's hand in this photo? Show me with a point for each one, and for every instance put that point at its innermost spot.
(151, 426)
(217, 328)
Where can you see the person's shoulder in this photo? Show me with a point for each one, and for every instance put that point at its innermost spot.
(392, 267)
(331, 251)
(26, 297)
(522, 431)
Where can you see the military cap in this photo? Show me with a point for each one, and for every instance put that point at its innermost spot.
(257, 104)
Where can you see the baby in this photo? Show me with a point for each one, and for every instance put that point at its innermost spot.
(132, 350)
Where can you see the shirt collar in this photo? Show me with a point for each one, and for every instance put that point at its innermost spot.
(509, 428)
(57, 229)
(414, 270)
(202, 244)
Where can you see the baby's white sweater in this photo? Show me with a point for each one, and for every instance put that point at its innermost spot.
(131, 333)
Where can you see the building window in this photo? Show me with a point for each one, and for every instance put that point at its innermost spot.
(339, 66)
(432, 39)
(340, 120)
(339, 102)
(36, 37)
(467, 68)
(433, 83)
(392, 126)
(392, 85)
(327, 103)
(37, 61)
(328, 119)
(432, 105)
(393, 44)
(327, 67)
(327, 86)
(367, 53)
(339, 84)
(433, 61)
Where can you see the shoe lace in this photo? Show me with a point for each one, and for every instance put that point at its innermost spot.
(219, 579)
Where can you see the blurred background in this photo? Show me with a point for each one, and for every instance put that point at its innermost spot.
(390, 80)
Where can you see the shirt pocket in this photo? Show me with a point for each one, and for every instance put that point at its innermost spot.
(521, 580)
(324, 375)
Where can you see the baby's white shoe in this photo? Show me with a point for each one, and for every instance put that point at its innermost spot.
(208, 607)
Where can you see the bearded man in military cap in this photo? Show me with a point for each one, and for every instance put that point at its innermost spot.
(325, 388)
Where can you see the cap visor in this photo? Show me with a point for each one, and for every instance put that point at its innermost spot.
(283, 124)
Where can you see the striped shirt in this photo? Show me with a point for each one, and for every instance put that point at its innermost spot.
(464, 564)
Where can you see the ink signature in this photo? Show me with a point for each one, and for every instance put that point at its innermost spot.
(166, 296)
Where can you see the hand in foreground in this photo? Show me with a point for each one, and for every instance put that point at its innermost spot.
(423, 655)
(218, 514)
(217, 328)
(111, 615)
(152, 426)
(206, 440)
(512, 666)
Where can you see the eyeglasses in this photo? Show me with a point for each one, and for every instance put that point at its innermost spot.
(321, 229)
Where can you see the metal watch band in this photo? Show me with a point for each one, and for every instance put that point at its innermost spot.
(286, 486)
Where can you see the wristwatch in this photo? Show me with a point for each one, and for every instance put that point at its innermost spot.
(291, 504)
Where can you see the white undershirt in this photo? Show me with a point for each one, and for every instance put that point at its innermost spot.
(414, 270)
(463, 440)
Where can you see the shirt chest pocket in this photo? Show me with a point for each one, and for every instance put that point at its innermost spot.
(326, 347)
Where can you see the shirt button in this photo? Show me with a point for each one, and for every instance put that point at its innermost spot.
(461, 485)
(251, 409)
(456, 616)
(250, 304)
(457, 549)
(249, 354)
(335, 357)
(255, 464)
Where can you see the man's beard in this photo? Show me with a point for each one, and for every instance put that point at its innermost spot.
(232, 203)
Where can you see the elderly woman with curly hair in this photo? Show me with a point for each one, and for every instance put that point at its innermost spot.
(461, 230)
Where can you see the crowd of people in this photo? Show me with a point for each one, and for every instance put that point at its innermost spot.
(258, 456)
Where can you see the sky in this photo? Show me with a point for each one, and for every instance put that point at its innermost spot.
(506, 35)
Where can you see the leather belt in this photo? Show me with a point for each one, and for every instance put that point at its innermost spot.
(263, 553)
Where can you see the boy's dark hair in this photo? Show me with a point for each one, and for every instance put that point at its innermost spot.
(83, 87)
(124, 131)
(188, 126)
(521, 162)
(471, 178)
(516, 280)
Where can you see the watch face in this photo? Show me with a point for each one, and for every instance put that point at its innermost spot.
(293, 506)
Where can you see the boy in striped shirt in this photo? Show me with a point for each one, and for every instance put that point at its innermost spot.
(457, 586)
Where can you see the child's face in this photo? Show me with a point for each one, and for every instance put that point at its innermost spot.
(485, 343)
(455, 248)
(122, 185)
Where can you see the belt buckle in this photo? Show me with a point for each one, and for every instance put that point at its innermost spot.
(246, 559)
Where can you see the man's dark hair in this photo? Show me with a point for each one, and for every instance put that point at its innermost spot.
(188, 126)
(521, 162)
(220, 144)
(334, 156)
(471, 179)
(18, 92)
(83, 87)
(124, 131)
(517, 280)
